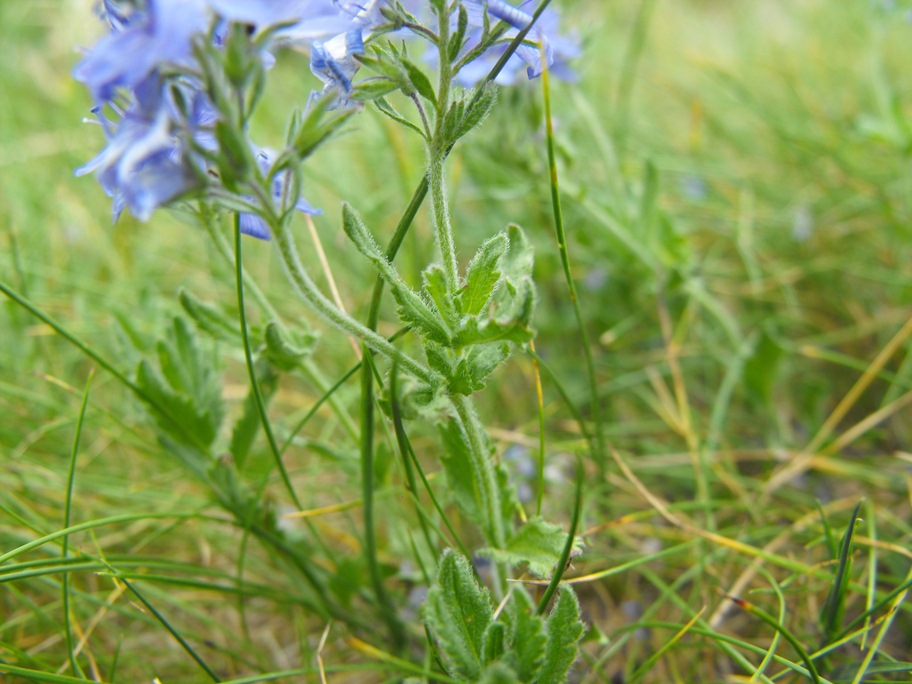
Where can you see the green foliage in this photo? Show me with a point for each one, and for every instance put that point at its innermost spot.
(413, 308)
(518, 647)
(537, 544)
(462, 476)
(831, 618)
(247, 426)
(209, 318)
(306, 133)
(563, 632)
(185, 388)
(419, 80)
(738, 230)
(286, 349)
(477, 110)
(482, 275)
(458, 612)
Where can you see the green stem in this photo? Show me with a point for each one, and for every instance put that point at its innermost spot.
(308, 291)
(251, 371)
(443, 231)
(483, 466)
(309, 367)
(437, 154)
(387, 610)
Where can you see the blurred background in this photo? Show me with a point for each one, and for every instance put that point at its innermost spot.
(737, 193)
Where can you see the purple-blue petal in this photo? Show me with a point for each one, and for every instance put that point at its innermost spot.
(254, 226)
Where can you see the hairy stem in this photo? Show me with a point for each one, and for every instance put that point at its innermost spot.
(308, 291)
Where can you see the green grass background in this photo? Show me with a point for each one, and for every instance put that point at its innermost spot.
(737, 194)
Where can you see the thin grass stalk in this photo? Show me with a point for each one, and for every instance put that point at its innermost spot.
(387, 610)
(781, 629)
(251, 371)
(560, 233)
(250, 286)
(68, 508)
(168, 626)
(564, 562)
(540, 406)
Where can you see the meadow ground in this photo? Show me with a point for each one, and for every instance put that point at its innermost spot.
(737, 193)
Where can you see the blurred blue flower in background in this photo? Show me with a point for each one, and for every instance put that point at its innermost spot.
(159, 33)
(558, 49)
(148, 161)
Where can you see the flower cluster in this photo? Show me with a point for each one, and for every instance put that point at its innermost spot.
(160, 106)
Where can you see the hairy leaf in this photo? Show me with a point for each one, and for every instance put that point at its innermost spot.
(538, 544)
(526, 635)
(564, 630)
(482, 275)
(413, 309)
(457, 613)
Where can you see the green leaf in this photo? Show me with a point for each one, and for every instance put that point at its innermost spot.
(494, 642)
(482, 275)
(373, 88)
(457, 613)
(462, 481)
(418, 399)
(420, 81)
(246, 427)
(474, 367)
(388, 110)
(285, 349)
(525, 634)
(463, 476)
(499, 673)
(452, 120)
(480, 110)
(564, 630)
(235, 159)
(186, 390)
(478, 330)
(458, 37)
(232, 493)
(537, 544)
(313, 131)
(436, 288)
(439, 359)
(834, 609)
(209, 318)
(413, 309)
(520, 258)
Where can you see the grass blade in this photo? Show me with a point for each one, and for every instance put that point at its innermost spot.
(68, 508)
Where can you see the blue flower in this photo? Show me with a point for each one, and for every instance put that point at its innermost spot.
(558, 49)
(160, 33)
(253, 225)
(149, 159)
(334, 63)
(303, 18)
